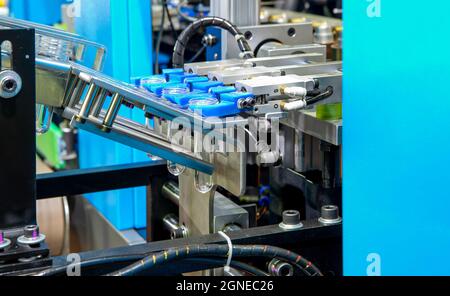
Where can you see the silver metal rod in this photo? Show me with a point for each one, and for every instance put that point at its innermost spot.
(171, 191)
(112, 112)
(171, 222)
(135, 135)
(87, 103)
(99, 102)
(77, 93)
(71, 86)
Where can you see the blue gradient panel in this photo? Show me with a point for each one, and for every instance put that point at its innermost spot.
(396, 138)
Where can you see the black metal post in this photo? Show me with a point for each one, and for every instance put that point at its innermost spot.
(21, 244)
(17, 132)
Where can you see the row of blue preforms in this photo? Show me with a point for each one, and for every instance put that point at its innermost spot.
(197, 93)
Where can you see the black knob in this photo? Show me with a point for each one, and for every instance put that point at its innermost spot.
(330, 212)
(291, 217)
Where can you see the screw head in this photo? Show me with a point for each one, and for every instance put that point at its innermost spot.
(10, 84)
(291, 217)
(31, 236)
(330, 215)
(291, 220)
(31, 231)
(4, 242)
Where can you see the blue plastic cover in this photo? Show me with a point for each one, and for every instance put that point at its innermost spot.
(219, 90)
(205, 86)
(183, 99)
(176, 77)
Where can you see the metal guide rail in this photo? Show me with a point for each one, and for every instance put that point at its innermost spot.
(54, 45)
(85, 98)
(58, 45)
(64, 84)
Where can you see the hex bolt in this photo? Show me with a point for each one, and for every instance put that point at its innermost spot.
(180, 232)
(330, 215)
(31, 236)
(291, 220)
(242, 104)
(4, 242)
(209, 40)
(9, 85)
(31, 231)
(251, 102)
(231, 228)
(291, 217)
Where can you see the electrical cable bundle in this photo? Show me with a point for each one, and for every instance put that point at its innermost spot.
(207, 251)
(192, 29)
(165, 11)
(203, 256)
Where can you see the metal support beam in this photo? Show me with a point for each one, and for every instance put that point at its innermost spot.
(84, 181)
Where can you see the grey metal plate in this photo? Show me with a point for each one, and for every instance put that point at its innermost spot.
(307, 122)
(303, 35)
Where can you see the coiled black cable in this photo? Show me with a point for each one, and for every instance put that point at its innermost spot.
(97, 262)
(194, 251)
(192, 29)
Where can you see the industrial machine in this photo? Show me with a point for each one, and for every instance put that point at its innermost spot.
(244, 148)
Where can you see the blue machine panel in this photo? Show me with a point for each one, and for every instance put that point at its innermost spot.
(124, 28)
(396, 139)
(47, 12)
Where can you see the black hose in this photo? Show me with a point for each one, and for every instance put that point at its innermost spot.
(166, 9)
(158, 42)
(192, 29)
(194, 251)
(62, 270)
(329, 91)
